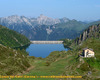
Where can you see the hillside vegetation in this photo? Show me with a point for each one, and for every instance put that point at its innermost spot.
(11, 38)
(12, 61)
(90, 38)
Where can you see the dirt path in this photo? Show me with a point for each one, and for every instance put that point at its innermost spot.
(25, 72)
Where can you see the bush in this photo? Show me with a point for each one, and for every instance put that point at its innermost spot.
(47, 63)
(97, 79)
(39, 58)
(26, 64)
(85, 67)
(32, 57)
(10, 72)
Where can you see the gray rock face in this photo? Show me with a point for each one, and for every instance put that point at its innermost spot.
(41, 20)
(46, 20)
(92, 31)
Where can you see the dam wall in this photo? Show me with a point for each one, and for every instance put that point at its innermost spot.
(46, 42)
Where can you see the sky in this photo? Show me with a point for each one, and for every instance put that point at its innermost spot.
(83, 10)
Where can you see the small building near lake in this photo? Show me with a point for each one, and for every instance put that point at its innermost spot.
(87, 52)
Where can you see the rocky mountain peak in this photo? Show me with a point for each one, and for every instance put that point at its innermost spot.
(11, 19)
(64, 20)
(42, 16)
(47, 20)
(15, 19)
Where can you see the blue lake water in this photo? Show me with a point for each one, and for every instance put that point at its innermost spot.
(43, 50)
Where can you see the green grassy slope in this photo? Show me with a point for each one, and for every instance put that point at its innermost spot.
(72, 25)
(70, 30)
(95, 45)
(11, 38)
(12, 61)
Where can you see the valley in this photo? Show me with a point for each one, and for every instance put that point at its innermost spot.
(60, 61)
(49, 39)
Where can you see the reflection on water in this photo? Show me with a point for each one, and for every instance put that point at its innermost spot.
(22, 47)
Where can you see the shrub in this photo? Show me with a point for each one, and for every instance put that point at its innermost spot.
(47, 63)
(85, 67)
(40, 58)
(32, 57)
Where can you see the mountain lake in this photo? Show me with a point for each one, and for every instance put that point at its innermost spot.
(43, 50)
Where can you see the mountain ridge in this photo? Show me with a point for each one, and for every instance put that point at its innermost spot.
(45, 28)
